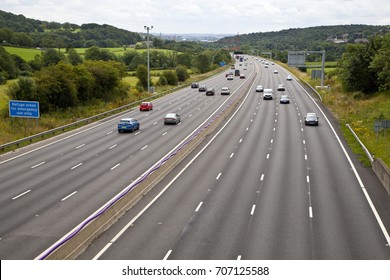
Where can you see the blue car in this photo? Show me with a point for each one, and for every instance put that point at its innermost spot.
(128, 124)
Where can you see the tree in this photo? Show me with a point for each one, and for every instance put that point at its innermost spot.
(171, 77)
(52, 57)
(181, 73)
(202, 63)
(73, 57)
(8, 69)
(381, 63)
(142, 75)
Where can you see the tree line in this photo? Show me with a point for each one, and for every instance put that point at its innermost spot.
(366, 67)
(59, 81)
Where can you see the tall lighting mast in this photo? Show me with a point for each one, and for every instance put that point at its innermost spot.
(147, 43)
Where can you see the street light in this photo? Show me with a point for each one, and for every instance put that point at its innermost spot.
(147, 29)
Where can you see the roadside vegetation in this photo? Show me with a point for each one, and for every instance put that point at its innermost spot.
(359, 95)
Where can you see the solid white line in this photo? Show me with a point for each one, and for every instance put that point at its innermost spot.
(113, 146)
(167, 255)
(219, 175)
(21, 194)
(66, 197)
(78, 147)
(253, 209)
(39, 164)
(74, 167)
(310, 212)
(200, 205)
(102, 251)
(112, 168)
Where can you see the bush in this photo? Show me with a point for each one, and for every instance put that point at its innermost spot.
(171, 77)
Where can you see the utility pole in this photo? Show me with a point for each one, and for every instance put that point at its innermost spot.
(147, 43)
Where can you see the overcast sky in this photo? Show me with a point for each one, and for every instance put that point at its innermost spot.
(205, 16)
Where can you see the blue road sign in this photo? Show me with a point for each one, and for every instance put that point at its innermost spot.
(24, 109)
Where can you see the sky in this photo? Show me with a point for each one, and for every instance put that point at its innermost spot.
(205, 16)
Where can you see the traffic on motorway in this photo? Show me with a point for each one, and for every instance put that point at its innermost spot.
(264, 185)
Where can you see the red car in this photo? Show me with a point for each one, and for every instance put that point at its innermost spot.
(146, 106)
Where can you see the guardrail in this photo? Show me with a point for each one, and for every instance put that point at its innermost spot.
(88, 120)
(96, 117)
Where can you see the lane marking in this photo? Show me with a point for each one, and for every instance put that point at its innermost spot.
(108, 133)
(310, 212)
(200, 205)
(113, 146)
(80, 146)
(66, 197)
(167, 255)
(308, 179)
(262, 177)
(219, 175)
(155, 123)
(267, 156)
(165, 133)
(138, 132)
(112, 168)
(16, 197)
(231, 155)
(39, 164)
(253, 209)
(143, 148)
(74, 167)
(239, 257)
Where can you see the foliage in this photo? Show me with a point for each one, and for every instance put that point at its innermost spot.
(8, 69)
(365, 67)
(182, 73)
(171, 77)
(300, 39)
(142, 75)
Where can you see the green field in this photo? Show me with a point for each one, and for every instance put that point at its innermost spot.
(25, 53)
(29, 53)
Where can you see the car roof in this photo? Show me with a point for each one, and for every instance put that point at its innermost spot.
(127, 119)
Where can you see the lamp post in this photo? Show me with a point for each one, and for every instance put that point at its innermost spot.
(147, 43)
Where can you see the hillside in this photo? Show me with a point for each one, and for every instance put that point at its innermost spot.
(18, 30)
(332, 39)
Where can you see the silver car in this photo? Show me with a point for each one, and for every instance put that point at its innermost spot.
(172, 118)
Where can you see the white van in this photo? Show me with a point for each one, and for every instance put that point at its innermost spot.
(268, 93)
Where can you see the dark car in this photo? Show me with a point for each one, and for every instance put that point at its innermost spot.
(311, 119)
(202, 88)
(195, 85)
(146, 106)
(210, 91)
(172, 118)
(128, 124)
(284, 99)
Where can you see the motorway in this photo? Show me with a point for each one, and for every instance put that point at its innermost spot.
(265, 186)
